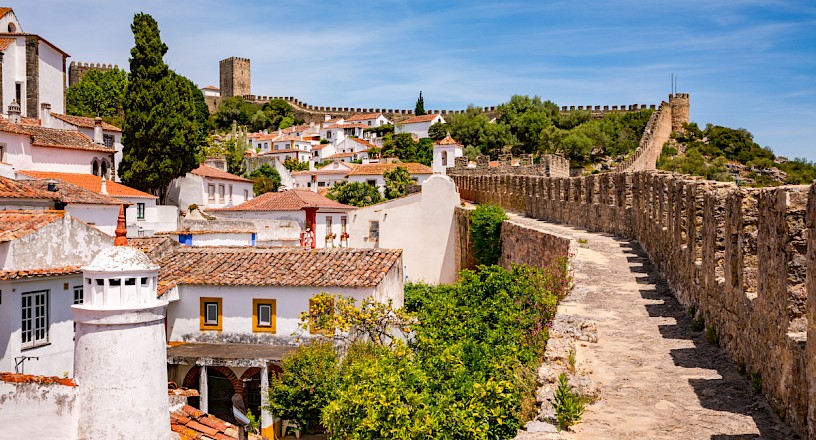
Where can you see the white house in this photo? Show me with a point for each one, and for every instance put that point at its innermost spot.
(418, 125)
(374, 173)
(323, 221)
(352, 149)
(144, 216)
(445, 152)
(40, 257)
(98, 210)
(325, 177)
(421, 224)
(321, 152)
(209, 187)
(210, 91)
(369, 119)
(33, 69)
(100, 132)
(337, 133)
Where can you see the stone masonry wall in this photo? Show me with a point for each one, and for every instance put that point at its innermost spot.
(744, 259)
(77, 70)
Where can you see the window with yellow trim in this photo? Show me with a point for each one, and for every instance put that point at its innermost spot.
(211, 314)
(264, 315)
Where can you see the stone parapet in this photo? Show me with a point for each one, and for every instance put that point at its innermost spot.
(743, 259)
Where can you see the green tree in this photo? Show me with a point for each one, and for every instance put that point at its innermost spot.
(99, 94)
(396, 181)
(293, 164)
(266, 179)
(236, 108)
(485, 233)
(355, 194)
(437, 131)
(286, 122)
(232, 149)
(401, 146)
(161, 132)
(419, 109)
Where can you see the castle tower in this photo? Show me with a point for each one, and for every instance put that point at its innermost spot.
(235, 80)
(120, 356)
(679, 103)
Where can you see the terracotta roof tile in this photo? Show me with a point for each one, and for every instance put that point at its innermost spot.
(44, 380)
(346, 126)
(418, 119)
(55, 138)
(90, 182)
(377, 169)
(4, 11)
(291, 200)
(349, 154)
(84, 122)
(6, 275)
(205, 170)
(153, 247)
(363, 142)
(15, 189)
(281, 266)
(69, 193)
(447, 141)
(17, 224)
(364, 117)
(194, 424)
(6, 42)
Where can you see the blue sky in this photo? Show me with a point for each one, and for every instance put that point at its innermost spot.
(746, 63)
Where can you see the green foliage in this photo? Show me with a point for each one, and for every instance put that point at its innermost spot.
(308, 383)
(485, 231)
(569, 405)
(697, 324)
(712, 336)
(800, 171)
(419, 108)
(286, 122)
(355, 194)
(265, 179)
(99, 94)
(232, 149)
(254, 423)
(473, 130)
(396, 181)
(293, 164)
(756, 381)
(437, 131)
(272, 115)
(161, 132)
(403, 147)
(380, 131)
(694, 163)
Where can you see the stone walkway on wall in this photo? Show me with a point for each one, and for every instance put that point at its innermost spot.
(658, 379)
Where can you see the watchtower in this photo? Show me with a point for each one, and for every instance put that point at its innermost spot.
(679, 103)
(235, 80)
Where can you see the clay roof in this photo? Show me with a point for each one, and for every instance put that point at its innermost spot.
(210, 88)
(364, 117)
(55, 138)
(44, 380)
(447, 141)
(418, 119)
(15, 189)
(90, 182)
(321, 172)
(191, 423)
(6, 42)
(205, 170)
(275, 266)
(287, 150)
(6, 275)
(4, 11)
(363, 142)
(372, 169)
(84, 122)
(153, 247)
(319, 147)
(291, 200)
(69, 193)
(292, 138)
(17, 224)
(347, 126)
(24, 34)
(349, 154)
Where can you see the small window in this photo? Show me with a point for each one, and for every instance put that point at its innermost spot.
(140, 211)
(19, 92)
(144, 281)
(211, 192)
(246, 194)
(230, 192)
(263, 315)
(328, 135)
(373, 230)
(371, 182)
(35, 319)
(100, 282)
(221, 192)
(321, 184)
(130, 281)
(115, 282)
(108, 140)
(79, 295)
(211, 314)
(343, 224)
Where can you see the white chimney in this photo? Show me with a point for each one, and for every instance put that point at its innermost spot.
(326, 117)
(14, 112)
(45, 115)
(104, 188)
(98, 139)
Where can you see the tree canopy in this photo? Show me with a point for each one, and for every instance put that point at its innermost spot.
(396, 182)
(162, 131)
(406, 149)
(355, 194)
(99, 93)
(265, 179)
(419, 108)
(272, 115)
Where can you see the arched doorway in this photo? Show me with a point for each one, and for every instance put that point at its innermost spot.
(251, 380)
(222, 383)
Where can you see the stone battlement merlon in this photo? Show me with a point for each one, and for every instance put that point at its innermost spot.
(230, 59)
(77, 69)
(743, 258)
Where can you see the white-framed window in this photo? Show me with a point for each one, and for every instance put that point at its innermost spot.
(373, 230)
(79, 295)
(34, 328)
(211, 192)
(264, 315)
(221, 192)
(140, 211)
(211, 313)
(230, 193)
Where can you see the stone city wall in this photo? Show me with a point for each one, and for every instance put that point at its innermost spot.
(550, 165)
(77, 70)
(743, 259)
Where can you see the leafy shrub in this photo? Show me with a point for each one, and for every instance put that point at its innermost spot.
(355, 193)
(569, 405)
(485, 233)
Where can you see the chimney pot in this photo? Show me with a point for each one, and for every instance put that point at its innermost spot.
(45, 114)
(14, 112)
(98, 138)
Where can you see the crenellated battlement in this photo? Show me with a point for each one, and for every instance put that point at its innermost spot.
(76, 70)
(550, 165)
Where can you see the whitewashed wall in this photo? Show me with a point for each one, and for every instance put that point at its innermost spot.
(52, 78)
(38, 411)
(103, 217)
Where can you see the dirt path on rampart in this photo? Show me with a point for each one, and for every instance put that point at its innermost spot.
(659, 380)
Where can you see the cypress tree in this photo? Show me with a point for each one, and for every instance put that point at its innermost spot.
(419, 110)
(161, 131)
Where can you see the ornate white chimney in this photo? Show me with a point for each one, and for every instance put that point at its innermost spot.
(14, 112)
(98, 138)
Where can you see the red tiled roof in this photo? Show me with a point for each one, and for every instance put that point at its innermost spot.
(15, 189)
(378, 169)
(275, 266)
(84, 122)
(364, 117)
(291, 200)
(191, 423)
(90, 182)
(6, 275)
(208, 232)
(349, 154)
(346, 126)
(363, 142)
(210, 88)
(69, 193)
(55, 138)
(321, 172)
(24, 34)
(4, 11)
(319, 147)
(17, 224)
(447, 141)
(205, 170)
(5, 42)
(418, 119)
(288, 150)
(153, 247)
(44, 380)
